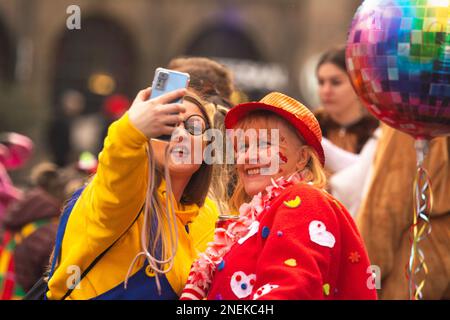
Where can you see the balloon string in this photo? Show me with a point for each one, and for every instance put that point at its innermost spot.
(421, 227)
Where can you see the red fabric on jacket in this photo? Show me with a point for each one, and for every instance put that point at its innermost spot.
(281, 261)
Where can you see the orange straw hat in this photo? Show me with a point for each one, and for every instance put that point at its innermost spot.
(289, 109)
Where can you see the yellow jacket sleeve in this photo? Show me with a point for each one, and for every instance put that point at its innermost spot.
(108, 205)
(117, 191)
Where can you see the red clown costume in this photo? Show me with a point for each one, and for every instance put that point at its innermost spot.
(292, 241)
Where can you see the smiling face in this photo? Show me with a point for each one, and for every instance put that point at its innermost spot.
(287, 153)
(185, 149)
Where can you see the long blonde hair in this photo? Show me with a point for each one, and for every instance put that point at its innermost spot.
(159, 236)
(313, 171)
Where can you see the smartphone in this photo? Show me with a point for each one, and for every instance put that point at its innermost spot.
(165, 81)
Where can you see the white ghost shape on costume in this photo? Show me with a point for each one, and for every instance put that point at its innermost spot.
(319, 234)
(265, 289)
(242, 284)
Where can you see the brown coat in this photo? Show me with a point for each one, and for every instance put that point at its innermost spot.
(31, 256)
(351, 138)
(387, 212)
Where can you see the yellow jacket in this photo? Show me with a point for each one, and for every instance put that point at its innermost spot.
(106, 209)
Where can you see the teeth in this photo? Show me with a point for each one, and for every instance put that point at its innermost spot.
(253, 171)
(180, 149)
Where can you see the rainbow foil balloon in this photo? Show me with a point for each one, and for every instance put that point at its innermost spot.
(398, 58)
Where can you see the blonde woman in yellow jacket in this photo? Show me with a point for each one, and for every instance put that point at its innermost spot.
(140, 251)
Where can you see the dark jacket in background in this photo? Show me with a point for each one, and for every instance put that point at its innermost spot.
(32, 255)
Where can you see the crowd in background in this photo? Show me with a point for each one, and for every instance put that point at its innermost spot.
(370, 167)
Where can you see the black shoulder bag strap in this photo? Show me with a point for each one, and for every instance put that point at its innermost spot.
(93, 263)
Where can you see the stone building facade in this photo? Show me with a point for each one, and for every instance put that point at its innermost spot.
(269, 44)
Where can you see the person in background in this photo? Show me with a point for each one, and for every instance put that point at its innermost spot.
(209, 78)
(351, 177)
(342, 118)
(30, 230)
(15, 150)
(8, 192)
(386, 215)
(350, 133)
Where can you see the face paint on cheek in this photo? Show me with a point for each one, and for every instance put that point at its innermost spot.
(283, 158)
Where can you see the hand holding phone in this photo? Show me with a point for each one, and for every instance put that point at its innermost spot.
(165, 81)
(156, 117)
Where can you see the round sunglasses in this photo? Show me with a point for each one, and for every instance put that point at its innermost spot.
(195, 124)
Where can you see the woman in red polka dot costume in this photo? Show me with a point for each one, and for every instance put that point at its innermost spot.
(292, 239)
